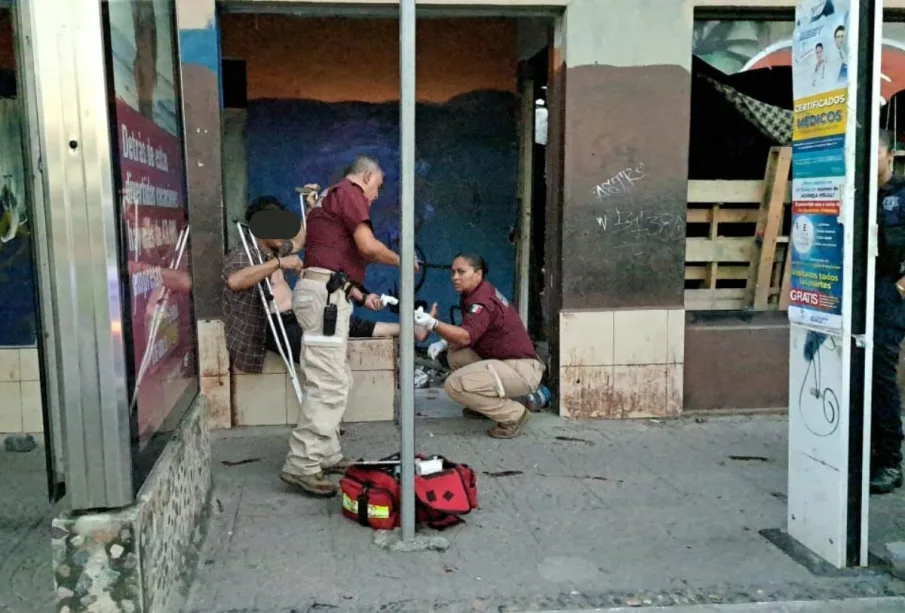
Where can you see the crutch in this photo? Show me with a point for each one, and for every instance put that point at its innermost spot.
(270, 308)
(304, 192)
(181, 242)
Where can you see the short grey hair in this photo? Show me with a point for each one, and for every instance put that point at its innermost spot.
(363, 164)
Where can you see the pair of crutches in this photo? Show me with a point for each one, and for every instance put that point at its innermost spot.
(265, 292)
(159, 310)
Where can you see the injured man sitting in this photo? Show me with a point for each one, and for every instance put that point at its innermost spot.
(248, 335)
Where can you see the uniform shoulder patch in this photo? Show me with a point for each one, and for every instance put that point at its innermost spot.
(502, 298)
(475, 309)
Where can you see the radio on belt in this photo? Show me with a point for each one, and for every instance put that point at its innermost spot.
(336, 282)
(428, 466)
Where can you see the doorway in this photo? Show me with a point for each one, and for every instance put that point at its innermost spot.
(299, 106)
(25, 511)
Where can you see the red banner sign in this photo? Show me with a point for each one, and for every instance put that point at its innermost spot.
(158, 258)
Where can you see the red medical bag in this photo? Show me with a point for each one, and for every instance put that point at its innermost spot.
(371, 494)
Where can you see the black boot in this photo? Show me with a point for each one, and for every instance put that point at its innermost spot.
(886, 479)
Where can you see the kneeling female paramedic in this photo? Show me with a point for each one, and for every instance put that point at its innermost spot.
(492, 357)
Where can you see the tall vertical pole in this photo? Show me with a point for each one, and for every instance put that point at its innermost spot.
(407, 272)
(864, 88)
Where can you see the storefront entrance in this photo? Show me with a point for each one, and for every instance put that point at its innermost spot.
(295, 114)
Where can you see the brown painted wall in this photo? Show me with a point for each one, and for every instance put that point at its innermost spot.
(7, 49)
(625, 186)
(737, 365)
(339, 59)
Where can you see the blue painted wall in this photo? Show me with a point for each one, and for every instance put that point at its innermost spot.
(466, 185)
(18, 303)
(18, 309)
(201, 46)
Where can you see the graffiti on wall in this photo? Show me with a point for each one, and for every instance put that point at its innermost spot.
(465, 192)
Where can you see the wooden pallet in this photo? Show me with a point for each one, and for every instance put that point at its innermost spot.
(735, 252)
(761, 272)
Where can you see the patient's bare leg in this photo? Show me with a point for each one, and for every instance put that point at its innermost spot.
(383, 329)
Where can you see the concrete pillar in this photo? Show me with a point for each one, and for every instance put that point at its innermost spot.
(622, 68)
(140, 558)
(199, 48)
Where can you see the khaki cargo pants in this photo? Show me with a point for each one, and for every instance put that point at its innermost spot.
(314, 443)
(488, 386)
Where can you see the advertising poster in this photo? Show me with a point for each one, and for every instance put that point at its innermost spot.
(151, 168)
(820, 91)
(819, 356)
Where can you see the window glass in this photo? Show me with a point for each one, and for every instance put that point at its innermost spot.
(155, 246)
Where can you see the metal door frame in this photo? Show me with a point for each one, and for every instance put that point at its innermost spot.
(34, 194)
(65, 89)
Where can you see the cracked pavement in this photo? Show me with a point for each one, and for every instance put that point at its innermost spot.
(574, 515)
(25, 515)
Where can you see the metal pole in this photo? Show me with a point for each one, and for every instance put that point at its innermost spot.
(865, 81)
(406, 265)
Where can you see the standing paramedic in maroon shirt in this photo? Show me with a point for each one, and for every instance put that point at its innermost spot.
(494, 364)
(340, 244)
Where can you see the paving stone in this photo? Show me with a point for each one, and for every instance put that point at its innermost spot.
(670, 525)
(574, 515)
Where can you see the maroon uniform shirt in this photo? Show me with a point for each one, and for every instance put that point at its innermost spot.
(496, 331)
(330, 241)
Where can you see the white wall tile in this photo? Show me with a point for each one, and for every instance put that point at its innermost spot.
(372, 354)
(213, 357)
(260, 400)
(640, 337)
(586, 338)
(9, 365)
(675, 389)
(10, 407)
(219, 400)
(640, 391)
(675, 336)
(373, 396)
(32, 415)
(273, 364)
(586, 392)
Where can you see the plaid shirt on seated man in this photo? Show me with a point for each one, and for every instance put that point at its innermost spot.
(244, 318)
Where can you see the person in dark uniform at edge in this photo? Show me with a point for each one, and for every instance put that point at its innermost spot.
(494, 363)
(889, 325)
(339, 239)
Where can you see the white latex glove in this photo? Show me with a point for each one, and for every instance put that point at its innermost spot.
(388, 300)
(435, 349)
(425, 320)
